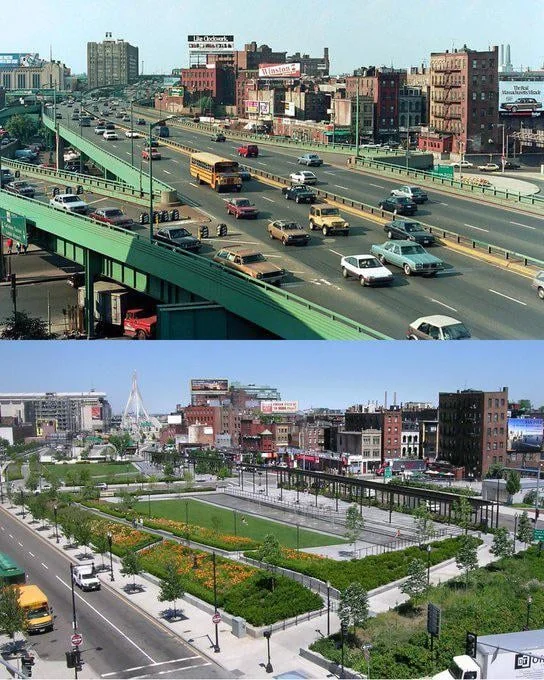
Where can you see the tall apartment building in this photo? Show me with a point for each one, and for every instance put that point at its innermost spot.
(111, 62)
(387, 421)
(464, 98)
(473, 429)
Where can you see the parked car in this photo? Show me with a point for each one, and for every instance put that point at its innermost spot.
(521, 104)
(415, 194)
(538, 284)
(113, 216)
(408, 231)
(69, 203)
(218, 137)
(398, 204)
(462, 164)
(248, 150)
(367, 268)
(310, 159)
(489, 167)
(21, 188)
(299, 193)
(110, 134)
(250, 262)
(411, 257)
(179, 237)
(437, 327)
(303, 177)
(241, 207)
(151, 151)
(289, 233)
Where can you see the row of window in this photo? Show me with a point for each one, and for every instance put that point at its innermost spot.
(494, 446)
(410, 106)
(34, 81)
(409, 121)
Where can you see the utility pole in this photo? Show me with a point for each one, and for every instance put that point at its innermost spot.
(357, 123)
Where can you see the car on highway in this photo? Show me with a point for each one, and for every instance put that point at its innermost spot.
(133, 134)
(140, 121)
(101, 485)
(328, 219)
(407, 230)
(110, 134)
(489, 167)
(241, 207)
(218, 137)
(521, 104)
(414, 193)
(113, 216)
(303, 177)
(289, 233)
(310, 159)
(399, 205)
(179, 237)
(410, 257)
(69, 203)
(58, 114)
(437, 327)
(538, 284)
(461, 164)
(74, 166)
(248, 151)
(251, 262)
(75, 116)
(511, 165)
(151, 151)
(367, 269)
(299, 193)
(6, 176)
(21, 188)
(100, 129)
(244, 173)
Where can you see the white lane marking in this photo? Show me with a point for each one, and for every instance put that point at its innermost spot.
(44, 565)
(508, 297)
(175, 670)
(471, 226)
(2, 528)
(31, 554)
(260, 163)
(167, 172)
(291, 163)
(339, 186)
(193, 184)
(173, 160)
(268, 199)
(98, 200)
(19, 542)
(518, 224)
(443, 304)
(379, 186)
(10, 535)
(443, 203)
(128, 153)
(149, 665)
(67, 585)
(335, 252)
(326, 172)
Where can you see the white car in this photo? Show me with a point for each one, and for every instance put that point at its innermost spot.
(437, 327)
(110, 134)
(303, 177)
(489, 167)
(368, 269)
(415, 193)
(69, 202)
(462, 164)
(133, 134)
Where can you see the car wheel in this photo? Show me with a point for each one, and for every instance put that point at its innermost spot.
(345, 273)
(362, 281)
(271, 235)
(407, 269)
(140, 335)
(325, 231)
(237, 215)
(514, 109)
(286, 196)
(389, 234)
(412, 337)
(312, 226)
(540, 293)
(382, 259)
(284, 241)
(297, 200)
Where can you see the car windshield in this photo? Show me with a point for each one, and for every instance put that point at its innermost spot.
(289, 226)
(307, 174)
(254, 257)
(411, 227)
(243, 203)
(178, 233)
(114, 212)
(71, 199)
(457, 331)
(412, 250)
(330, 211)
(38, 612)
(369, 263)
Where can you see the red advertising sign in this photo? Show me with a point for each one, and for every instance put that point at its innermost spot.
(279, 71)
(96, 412)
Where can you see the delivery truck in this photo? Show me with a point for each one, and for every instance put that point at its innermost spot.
(84, 576)
(39, 615)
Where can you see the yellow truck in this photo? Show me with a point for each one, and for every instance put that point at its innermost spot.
(39, 615)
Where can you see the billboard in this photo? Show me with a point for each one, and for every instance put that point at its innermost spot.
(210, 385)
(18, 59)
(96, 412)
(279, 70)
(523, 98)
(212, 44)
(254, 106)
(525, 434)
(290, 109)
(279, 406)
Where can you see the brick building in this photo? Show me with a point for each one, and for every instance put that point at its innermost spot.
(387, 421)
(315, 67)
(214, 80)
(473, 429)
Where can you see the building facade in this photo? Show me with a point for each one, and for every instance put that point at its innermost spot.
(50, 74)
(315, 67)
(111, 62)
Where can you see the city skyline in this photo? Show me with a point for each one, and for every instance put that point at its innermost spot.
(355, 37)
(316, 374)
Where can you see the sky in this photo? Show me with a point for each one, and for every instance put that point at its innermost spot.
(317, 373)
(357, 32)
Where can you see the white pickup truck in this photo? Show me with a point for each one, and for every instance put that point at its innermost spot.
(85, 577)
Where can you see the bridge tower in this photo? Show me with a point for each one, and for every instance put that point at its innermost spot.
(135, 419)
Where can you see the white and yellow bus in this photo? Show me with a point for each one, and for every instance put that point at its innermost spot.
(221, 174)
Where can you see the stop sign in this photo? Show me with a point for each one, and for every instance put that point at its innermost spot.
(76, 639)
(216, 618)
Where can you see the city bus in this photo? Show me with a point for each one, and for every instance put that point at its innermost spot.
(221, 174)
(10, 572)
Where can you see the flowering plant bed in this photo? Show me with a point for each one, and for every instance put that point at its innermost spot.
(123, 538)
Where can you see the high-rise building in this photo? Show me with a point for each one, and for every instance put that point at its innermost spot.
(111, 62)
(473, 429)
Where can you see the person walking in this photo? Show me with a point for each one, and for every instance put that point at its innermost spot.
(9, 245)
(18, 247)
(25, 248)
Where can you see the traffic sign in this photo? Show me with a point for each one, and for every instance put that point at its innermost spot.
(538, 534)
(76, 639)
(13, 226)
(216, 618)
(388, 472)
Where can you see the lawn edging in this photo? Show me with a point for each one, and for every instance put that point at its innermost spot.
(327, 664)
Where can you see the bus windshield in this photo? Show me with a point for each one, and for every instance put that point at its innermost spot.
(226, 166)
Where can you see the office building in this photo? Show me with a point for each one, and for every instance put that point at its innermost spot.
(111, 62)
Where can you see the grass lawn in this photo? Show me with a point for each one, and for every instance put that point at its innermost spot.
(13, 471)
(211, 517)
(100, 472)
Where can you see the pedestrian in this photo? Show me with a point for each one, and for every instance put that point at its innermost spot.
(9, 245)
(25, 248)
(18, 247)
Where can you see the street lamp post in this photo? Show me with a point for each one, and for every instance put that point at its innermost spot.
(328, 608)
(74, 616)
(268, 667)
(298, 537)
(112, 577)
(529, 603)
(235, 532)
(23, 502)
(186, 512)
(55, 509)
(216, 648)
(132, 132)
(342, 649)
(428, 565)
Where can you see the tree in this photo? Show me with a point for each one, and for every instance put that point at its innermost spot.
(126, 501)
(168, 471)
(171, 585)
(121, 442)
(525, 529)
(355, 525)
(32, 482)
(270, 550)
(462, 513)
(495, 471)
(513, 484)
(423, 521)
(502, 545)
(416, 584)
(21, 326)
(12, 615)
(353, 608)
(101, 544)
(82, 530)
(216, 524)
(131, 566)
(466, 558)
(23, 127)
(188, 478)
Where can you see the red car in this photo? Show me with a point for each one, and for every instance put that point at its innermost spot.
(248, 150)
(241, 207)
(113, 216)
(155, 155)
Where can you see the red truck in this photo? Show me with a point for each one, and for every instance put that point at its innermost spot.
(140, 324)
(248, 151)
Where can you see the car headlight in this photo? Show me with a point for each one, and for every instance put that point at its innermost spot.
(346, 224)
(419, 265)
(259, 275)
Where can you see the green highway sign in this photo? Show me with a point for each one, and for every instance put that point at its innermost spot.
(13, 226)
(538, 534)
(388, 473)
